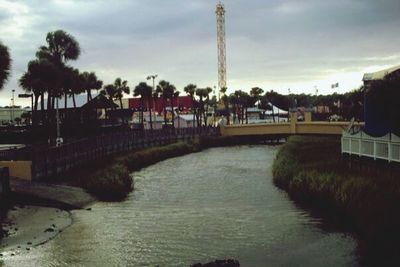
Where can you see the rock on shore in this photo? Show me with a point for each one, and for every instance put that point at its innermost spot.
(219, 263)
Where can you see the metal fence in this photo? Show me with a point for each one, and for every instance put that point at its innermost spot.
(361, 144)
(49, 161)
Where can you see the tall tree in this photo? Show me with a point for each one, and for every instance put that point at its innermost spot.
(121, 87)
(190, 90)
(265, 105)
(90, 82)
(146, 95)
(225, 100)
(5, 64)
(175, 96)
(202, 94)
(166, 90)
(61, 48)
(256, 94)
(110, 91)
(70, 84)
(40, 77)
(207, 92)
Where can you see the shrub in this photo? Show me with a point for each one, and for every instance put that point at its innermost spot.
(112, 183)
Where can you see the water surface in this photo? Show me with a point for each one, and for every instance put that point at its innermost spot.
(219, 203)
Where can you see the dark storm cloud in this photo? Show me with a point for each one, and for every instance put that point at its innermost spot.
(269, 43)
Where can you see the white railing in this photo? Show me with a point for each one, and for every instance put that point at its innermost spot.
(386, 147)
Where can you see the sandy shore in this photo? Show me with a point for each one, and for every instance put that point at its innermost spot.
(29, 226)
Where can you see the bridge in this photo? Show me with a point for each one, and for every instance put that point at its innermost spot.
(287, 128)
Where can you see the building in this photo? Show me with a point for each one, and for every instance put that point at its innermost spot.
(185, 121)
(8, 114)
(183, 103)
(379, 138)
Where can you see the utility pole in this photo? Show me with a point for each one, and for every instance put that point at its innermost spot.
(220, 12)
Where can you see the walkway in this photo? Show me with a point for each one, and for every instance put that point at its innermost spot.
(51, 194)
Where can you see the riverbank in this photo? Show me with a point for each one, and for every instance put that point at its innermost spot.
(30, 226)
(216, 204)
(110, 180)
(311, 170)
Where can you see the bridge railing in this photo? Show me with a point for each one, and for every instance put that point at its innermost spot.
(361, 144)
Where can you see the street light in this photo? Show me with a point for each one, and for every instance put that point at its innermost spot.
(59, 140)
(12, 105)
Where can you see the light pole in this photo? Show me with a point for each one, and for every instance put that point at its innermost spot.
(153, 77)
(12, 106)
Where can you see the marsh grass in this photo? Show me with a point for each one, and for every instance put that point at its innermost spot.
(312, 170)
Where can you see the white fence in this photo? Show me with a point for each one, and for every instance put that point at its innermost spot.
(386, 147)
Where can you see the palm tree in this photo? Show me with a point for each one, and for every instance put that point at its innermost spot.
(201, 93)
(110, 91)
(166, 90)
(5, 65)
(77, 85)
(90, 82)
(40, 77)
(239, 101)
(70, 78)
(256, 93)
(121, 87)
(61, 48)
(175, 95)
(225, 100)
(207, 92)
(248, 101)
(146, 94)
(265, 105)
(190, 90)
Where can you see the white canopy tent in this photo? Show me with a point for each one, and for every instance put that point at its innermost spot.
(276, 111)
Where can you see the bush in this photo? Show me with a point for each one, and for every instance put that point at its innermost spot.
(112, 183)
(137, 160)
(115, 183)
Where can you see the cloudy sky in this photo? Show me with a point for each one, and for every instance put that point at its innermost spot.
(274, 44)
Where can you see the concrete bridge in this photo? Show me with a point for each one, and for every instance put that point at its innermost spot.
(287, 128)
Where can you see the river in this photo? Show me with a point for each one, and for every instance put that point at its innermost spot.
(219, 203)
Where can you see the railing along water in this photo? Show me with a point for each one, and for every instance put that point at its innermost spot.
(361, 144)
(49, 161)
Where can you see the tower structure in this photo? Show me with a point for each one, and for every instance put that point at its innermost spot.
(220, 11)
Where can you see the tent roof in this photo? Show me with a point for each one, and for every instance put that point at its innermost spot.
(379, 75)
(100, 102)
(276, 110)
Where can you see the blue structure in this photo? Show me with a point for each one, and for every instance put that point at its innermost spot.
(376, 119)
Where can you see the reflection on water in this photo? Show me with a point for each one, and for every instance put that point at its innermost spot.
(215, 204)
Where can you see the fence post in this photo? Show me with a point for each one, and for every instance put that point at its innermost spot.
(4, 181)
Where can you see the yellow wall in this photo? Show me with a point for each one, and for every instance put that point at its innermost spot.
(293, 127)
(19, 169)
(307, 116)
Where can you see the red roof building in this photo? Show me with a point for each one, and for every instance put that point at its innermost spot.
(184, 103)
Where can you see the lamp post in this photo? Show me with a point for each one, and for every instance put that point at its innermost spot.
(59, 140)
(12, 106)
(152, 77)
